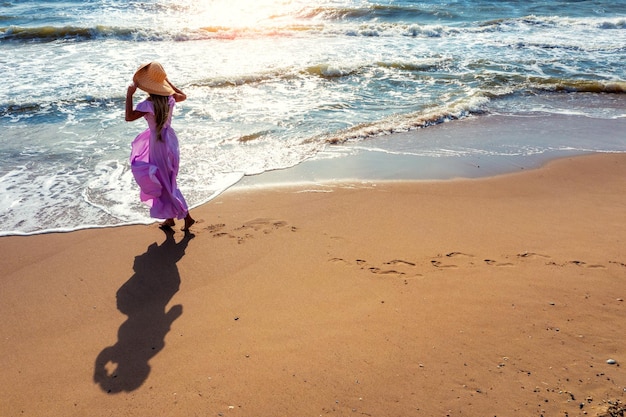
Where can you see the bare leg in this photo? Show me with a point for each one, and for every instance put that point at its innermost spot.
(188, 222)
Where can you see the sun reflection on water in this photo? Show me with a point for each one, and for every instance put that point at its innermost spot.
(238, 14)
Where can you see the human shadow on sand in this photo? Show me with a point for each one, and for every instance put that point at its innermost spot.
(124, 366)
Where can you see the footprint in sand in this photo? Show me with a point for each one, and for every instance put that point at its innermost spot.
(249, 229)
(399, 262)
(339, 261)
(216, 230)
(492, 262)
(438, 264)
(402, 268)
(215, 227)
(457, 255)
(262, 225)
(376, 270)
(407, 269)
(585, 265)
(461, 254)
(531, 255)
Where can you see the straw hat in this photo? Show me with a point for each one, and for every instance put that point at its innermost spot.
(151, 79)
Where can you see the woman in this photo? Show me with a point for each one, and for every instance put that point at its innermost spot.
(155, 154)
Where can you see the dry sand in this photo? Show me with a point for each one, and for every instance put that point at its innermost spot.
(486, 297)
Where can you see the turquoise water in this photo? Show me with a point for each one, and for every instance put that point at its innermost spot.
(272, 83)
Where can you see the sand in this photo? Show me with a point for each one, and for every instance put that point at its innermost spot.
(499, 296)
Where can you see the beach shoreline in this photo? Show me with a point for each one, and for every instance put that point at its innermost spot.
(470, 147)
(477, 146)
(488, 296)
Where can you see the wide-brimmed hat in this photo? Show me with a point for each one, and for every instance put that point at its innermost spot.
(151, 79)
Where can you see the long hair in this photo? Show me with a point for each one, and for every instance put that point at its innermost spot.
(161, 111)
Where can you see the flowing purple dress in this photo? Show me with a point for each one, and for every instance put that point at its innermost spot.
(154, 164)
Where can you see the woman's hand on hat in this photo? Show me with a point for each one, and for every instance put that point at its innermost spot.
(132, 88)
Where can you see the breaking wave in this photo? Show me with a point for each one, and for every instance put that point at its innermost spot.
(313, 26)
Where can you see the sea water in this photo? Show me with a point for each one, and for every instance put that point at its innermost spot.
(271, 83)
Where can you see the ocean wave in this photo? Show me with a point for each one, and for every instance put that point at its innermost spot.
(254, 136)
(504, 24)
(578, 86)
(423, 65)
(405, 122)
(77, 33)
(236, 80)
(505, 86)
(427, 29)
(424, 29)
(52, 33)
(371, 12)
(313, 26)
(473, 105)
(321, 70)
(330, 71)
(485, 80)
(56, 108)
(612, 24)
(419, 65)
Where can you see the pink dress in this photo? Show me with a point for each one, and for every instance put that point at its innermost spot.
(154, 164)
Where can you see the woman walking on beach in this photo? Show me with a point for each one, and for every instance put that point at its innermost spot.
(155, 153)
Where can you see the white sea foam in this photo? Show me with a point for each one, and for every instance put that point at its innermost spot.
(270, 89)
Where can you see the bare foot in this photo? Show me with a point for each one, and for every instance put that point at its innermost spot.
(188, 223)
(169, 223)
